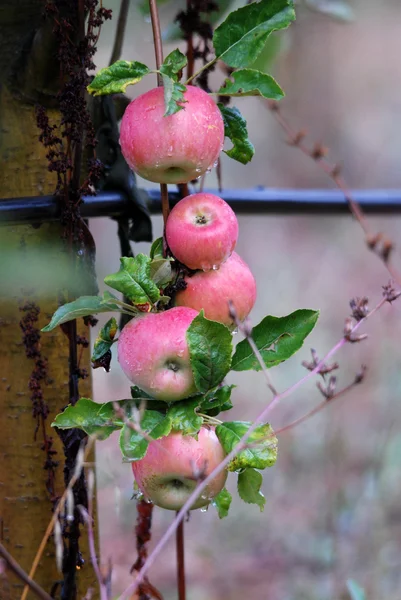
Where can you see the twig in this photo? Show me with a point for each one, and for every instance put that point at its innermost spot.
(379, 244)
(135, 425)
(87, 516)
(240, 446)
(246, 329)
(58, 509)
(120, 31)
(92, 550)
(190, 48)
(19, 571)
(157, 39)
(180, 561)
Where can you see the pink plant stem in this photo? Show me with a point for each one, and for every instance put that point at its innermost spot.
(241, 444)
(92, 551)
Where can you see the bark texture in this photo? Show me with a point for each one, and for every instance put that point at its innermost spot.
(34, 266)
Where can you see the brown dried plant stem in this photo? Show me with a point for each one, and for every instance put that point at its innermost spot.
(157, 38)
(242, 444)
(19, 571)
(179, 537)
(60, 506)
(154, 14)
(379, 244)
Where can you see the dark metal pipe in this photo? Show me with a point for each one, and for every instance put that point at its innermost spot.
(39, 209)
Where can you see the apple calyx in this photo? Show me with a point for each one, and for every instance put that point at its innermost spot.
(174, 465)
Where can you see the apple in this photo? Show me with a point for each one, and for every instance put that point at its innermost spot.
(202, 231)
(154, 355)
(212, 290)
(174, 465)
(173, 149)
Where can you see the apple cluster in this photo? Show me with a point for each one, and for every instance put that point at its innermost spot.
(201, 233)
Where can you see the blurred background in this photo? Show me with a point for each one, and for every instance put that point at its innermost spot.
(333, 509)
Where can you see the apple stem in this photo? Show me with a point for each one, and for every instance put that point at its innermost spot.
(180, 561)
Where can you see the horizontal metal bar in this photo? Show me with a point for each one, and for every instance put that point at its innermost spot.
(39, 209)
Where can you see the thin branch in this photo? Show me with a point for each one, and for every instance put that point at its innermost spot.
(87, 517)
(376, 242)
(316, 409)
(190, 48)
(246, 329)
(203, 68)
(157, 37)
(180, 561)
(134, 425)
(20, 573)
(165, 202)
(120, 31)
(58, 509)
(239, 447)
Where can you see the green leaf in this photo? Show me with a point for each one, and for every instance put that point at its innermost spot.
(132, 443)
(173, 96)
(82, 307)
(184, 418)
(355, 590)
(210, 349)
(277, 338)
(242, 36)
(161, 272)
(141, 398)
(173, 64)
(116, 78)
(217, 401)
(105, 339)
(156, 250)
(249, 82)
(134, 280)
(107, 413)
(275, 44)
(222, 503)
(85, 415)
(262, 452)
(235, 129)
(249, 484)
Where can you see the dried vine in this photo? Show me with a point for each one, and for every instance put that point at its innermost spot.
(39, 375)
(69, 143)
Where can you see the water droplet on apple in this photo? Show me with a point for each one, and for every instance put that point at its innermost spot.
(216, 267)
(205, 268)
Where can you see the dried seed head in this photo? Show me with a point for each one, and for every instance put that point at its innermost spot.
(359, 307)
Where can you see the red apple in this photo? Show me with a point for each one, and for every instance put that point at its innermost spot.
(212, 290)
(153, 353)
(174, 149)
(202, 231)
(173, 465)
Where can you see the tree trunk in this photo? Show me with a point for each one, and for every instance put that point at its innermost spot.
(33, 269)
